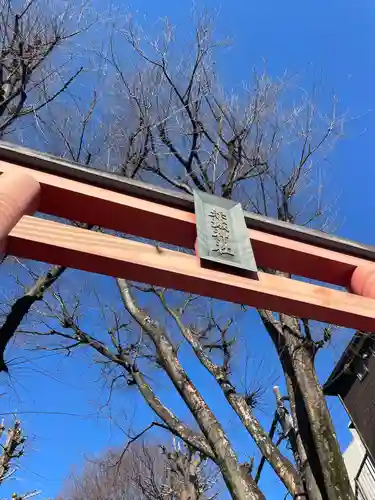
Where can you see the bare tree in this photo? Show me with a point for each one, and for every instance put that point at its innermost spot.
(32, 33)
(146, 472)
(12, 450)
(184, 131)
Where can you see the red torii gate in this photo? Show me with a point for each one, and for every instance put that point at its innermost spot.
(33, 182)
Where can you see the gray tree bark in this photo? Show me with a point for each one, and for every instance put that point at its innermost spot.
(324, 470)
(239, 482)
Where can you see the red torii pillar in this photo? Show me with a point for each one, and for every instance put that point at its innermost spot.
(363, 281)
(19, 196)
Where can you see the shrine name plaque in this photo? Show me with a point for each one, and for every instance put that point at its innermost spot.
(223, 241)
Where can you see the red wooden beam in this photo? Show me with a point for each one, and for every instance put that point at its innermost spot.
(79, 201)
(57, 243)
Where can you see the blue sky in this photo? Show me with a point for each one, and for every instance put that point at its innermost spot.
(331, 43)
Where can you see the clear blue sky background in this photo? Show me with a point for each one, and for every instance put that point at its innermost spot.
(329, 42)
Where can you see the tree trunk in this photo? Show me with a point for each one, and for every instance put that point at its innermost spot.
(314, 425)
(300, 454)
(319, 436)
(22, 306)
(281, 465)
(240, 484)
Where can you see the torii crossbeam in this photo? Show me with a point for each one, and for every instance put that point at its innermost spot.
(32, 182)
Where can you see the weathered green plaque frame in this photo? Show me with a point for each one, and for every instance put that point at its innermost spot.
(222, 236)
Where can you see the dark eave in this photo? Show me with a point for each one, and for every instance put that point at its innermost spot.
(341, 374)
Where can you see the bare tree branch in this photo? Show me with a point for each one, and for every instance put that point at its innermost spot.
(270, 452)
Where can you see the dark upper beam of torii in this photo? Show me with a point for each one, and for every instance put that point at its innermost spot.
(53, 186)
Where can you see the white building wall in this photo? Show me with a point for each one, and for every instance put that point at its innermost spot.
(354, 456)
